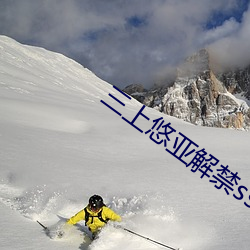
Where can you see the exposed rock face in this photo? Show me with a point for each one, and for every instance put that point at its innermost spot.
(237, 81)
(136, 90)
(198, 96)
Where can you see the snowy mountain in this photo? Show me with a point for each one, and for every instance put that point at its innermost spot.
(201, 95)
(64, 137)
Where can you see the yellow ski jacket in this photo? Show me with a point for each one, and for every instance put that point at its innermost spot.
(94, 223)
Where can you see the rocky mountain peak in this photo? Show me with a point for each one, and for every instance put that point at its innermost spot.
(200, 96)
(196, 64)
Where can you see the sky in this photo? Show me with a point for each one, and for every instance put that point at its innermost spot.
(132, 41)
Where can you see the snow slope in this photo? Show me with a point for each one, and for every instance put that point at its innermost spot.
(59, 145)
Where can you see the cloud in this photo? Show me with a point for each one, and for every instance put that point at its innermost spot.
(228, 28)
(125, 42)
(233, 49)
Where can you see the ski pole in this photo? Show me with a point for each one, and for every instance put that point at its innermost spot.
(45, 228)
(146, 238)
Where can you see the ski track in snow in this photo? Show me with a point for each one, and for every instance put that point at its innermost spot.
(39, 204)
(145, 214)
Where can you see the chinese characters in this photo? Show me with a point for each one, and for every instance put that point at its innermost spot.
(197, 160)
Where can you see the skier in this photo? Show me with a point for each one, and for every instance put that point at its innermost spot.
(95, 214)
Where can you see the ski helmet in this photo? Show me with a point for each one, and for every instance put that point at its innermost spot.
(95, 202)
